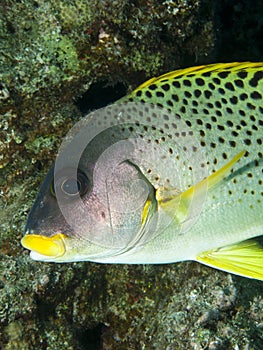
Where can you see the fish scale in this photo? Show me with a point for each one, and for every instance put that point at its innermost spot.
(223, 105)
(220, 106)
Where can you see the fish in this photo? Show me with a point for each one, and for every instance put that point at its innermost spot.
(171, 172)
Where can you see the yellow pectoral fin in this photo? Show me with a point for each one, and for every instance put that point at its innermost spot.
(243, 259)
(213, 179)
(179, 204)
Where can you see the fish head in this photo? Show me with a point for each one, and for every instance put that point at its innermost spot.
(91, 219)
(92, 204)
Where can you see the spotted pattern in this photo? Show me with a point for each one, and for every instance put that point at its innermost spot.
(222, 104)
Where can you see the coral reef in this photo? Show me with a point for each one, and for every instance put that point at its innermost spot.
(51, 53)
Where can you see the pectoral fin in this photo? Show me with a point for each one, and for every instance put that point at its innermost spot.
(243, 259)
(178, 204)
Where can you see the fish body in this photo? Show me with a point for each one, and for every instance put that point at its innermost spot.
(187, 185)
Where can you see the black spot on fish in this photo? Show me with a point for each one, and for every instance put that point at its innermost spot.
(229, 86)
(152, 87)
(200, 81)
(175, 97)
(256, 95)
(166, 87)
(211, 86)
(139, 93)
(217, 81)
(250, 106)
(234, 100)
(242, 75)
(242, 113)
(206, 74)
(247, 142)
(182, 109)
(159, 94)
(197, 93)
(187, 82)
(187, 94)
(229, 123)
(234, 133)
(243, 97)
(148, 94)
(256, 78)
(239, 83)
(207, 93)
(176, 84)
(243, 123)
(223, 75)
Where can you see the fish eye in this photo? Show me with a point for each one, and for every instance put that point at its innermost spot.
(69, 185)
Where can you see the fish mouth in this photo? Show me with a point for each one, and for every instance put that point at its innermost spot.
(43, 247)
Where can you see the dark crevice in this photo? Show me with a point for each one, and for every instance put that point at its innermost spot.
(90, 339)
(100, 95)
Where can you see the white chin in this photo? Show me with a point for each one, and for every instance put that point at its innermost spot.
(39, 257)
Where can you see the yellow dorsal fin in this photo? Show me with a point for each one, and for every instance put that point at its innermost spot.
(178, 205)
(243, 259)
(198, 70)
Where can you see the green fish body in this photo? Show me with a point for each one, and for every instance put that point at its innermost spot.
(209, 135)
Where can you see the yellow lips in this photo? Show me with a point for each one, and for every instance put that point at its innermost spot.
(50, 246)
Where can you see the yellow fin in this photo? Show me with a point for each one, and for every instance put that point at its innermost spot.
(50, 246)
(179, 204)
(198, 70)
(243, 259)
(214, 178)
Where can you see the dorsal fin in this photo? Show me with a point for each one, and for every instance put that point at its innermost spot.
(198, 70)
